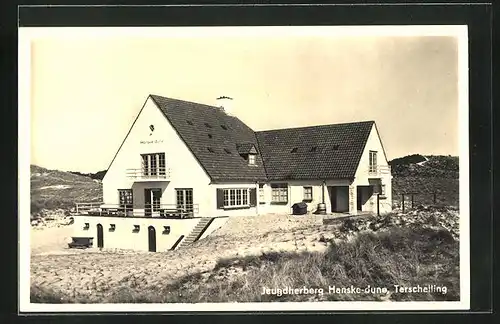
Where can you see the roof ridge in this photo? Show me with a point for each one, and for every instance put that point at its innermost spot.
(316, 126)
(182, 100)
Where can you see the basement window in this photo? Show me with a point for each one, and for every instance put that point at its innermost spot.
(166, 230)
(189, 122)
(294, 150)
(136, 229)
(112, 227)
(208, 125)
(210, 150)
(86, 227)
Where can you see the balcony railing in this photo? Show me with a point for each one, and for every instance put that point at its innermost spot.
(149, 174)
(379, 170)
(147, 210)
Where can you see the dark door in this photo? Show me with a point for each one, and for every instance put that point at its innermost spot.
(100, 236)
(147, 202)
(359, 196)
(152, 239)
(333, 197)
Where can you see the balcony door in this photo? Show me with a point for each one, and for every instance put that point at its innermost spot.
(153, 164)
(185, 199)
(152, 198)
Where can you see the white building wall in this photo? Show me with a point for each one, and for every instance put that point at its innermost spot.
(362, 177)
(296, 194)
(185, 171)
(123, 237)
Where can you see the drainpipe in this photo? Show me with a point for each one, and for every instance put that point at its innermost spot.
(257, 202)
(323, 192)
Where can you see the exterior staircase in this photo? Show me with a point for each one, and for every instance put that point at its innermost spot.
(197, 232)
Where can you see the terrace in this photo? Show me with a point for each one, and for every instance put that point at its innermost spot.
(147, 210)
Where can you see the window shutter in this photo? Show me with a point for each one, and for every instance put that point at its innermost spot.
(253, 196)
(220, 198)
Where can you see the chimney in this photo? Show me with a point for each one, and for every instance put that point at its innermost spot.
(225, 103)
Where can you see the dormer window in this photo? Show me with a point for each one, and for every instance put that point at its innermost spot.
(251, 159)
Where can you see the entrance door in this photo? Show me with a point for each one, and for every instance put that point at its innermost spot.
(100, 236)
(151, 239)
(359, 196)
(185, 199)
(151, 201)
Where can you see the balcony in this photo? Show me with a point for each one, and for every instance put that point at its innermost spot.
(148, 210)
(149, 174)
(377, 171)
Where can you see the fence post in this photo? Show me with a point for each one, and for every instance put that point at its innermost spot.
(403, 202)
(412, 200)
(378, 204)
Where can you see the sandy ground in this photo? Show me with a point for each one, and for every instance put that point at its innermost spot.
(92, 273)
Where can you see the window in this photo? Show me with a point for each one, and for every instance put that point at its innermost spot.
(251, 159)
(126, 198)
(208, 125)
(209, 135)
(153, 164)
(227, 151)
(313, 149)
(223, 127)
(335, 147)
(373, 161)
(262, 199)
(236, 197)
(155, 199)
(308, 193)
(185, 199)
(189, 122)
(279, 193)
(294, 150)
(210, 149)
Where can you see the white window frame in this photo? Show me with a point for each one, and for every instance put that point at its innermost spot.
(278, 191)
(251, 159)
(236, 198)
(310, 188)
(153, 164)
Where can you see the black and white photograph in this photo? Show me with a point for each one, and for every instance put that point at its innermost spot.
(244, 168)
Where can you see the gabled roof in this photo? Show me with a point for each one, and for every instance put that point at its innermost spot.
(213, 138)
(316, 152)
(218, 141)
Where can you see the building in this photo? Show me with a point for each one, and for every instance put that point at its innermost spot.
(188, 160)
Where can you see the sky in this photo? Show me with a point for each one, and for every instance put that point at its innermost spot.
(87, 91)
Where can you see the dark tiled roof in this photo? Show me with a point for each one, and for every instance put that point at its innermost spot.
(194, 123)
(218, 140)
(317, 152)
